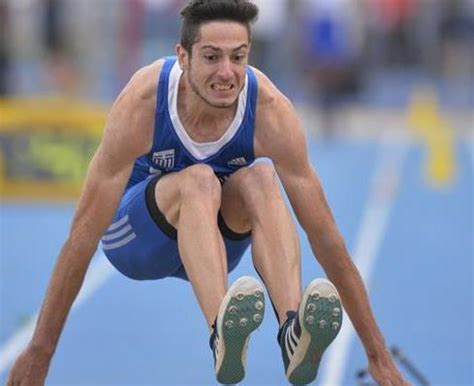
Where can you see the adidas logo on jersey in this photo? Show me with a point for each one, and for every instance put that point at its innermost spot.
(239, 161)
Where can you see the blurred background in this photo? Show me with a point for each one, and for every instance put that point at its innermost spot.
(385, 89)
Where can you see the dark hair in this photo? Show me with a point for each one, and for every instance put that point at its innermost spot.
(198, 12)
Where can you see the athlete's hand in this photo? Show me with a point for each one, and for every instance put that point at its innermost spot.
(30, 369)
(384, 371)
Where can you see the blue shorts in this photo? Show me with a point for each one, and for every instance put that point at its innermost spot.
(142, 245)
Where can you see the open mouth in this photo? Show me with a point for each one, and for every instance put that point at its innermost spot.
(222, 87)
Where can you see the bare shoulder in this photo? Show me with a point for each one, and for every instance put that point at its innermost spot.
(269, 96)
(143, 84)
(276, 118)
(131, 118)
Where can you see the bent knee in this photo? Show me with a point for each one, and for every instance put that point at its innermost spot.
(262, 176)
(260, 185)
(200, 180)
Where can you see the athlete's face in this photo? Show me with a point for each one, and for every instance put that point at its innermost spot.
(216, 69)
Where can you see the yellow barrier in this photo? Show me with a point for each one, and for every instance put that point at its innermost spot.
(427, 122)
(46, 146)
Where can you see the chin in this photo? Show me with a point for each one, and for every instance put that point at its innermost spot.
(223, 103)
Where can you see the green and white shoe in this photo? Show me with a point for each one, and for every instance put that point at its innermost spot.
(306, 334)
(240, 313)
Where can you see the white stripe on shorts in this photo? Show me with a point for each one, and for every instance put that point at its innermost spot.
(118, 224)
(116, 235)
(120, 243)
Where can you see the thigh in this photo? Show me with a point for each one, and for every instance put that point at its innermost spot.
(196, 182)
(139, 242)
(142, 244)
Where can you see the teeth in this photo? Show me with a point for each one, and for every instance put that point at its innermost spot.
(220, 87)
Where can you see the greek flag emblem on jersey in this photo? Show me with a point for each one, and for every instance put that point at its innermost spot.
(164, 159)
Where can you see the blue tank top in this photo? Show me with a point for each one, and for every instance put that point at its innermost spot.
(174, 150)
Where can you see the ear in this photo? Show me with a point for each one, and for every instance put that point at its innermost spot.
(183, 56)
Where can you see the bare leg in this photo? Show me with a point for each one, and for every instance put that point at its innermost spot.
(251, 198)
(190, 201)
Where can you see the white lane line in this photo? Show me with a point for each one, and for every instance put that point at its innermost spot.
(376, 217)
(99, 272)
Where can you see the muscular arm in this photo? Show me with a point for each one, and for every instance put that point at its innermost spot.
(127, 135)
(96, 207)
(280, 137)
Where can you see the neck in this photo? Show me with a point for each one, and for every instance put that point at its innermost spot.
(196, 113)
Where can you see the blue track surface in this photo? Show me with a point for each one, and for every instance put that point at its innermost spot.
(137, 333)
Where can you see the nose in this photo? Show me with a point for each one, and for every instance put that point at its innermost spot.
(225, 69)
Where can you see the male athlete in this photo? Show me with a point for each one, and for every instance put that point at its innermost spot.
(173, 191)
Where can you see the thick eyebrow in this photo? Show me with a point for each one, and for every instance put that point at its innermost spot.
(214, 48)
